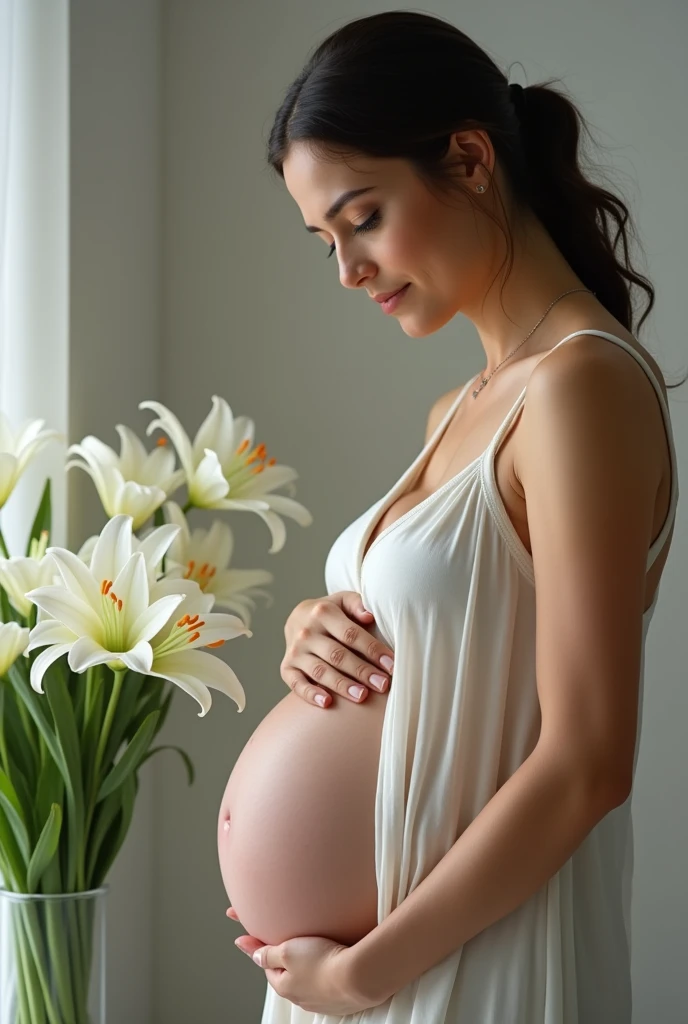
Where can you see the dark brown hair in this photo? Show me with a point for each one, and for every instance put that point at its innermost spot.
(399, 83)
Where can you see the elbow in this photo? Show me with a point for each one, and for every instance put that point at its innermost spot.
(606, 787)
(598, 785)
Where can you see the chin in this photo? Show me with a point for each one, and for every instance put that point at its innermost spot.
(421, 329)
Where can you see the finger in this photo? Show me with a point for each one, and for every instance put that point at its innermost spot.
(247, 944)
(264, 956)
(231, 912)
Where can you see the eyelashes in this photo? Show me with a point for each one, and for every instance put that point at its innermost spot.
(371, 223)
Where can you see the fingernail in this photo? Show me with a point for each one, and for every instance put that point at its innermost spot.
(356, 691)
(379, 682)
(387, 662)
(257, 957)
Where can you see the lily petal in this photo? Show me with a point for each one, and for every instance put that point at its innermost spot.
(86, 653)
(195, 671)
(68, 609)
(113, 548)
(43, 663)
(139, 658)
(77, 577)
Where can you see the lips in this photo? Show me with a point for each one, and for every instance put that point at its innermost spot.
(388, 295)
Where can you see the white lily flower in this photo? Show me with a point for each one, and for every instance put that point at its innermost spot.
(153, 545)
(100, 614)
(175, 653)
(18, 575)
(17, 450)
(222, 461)
(135, 482)
(13, 642)
(204, 556)
(108, 614)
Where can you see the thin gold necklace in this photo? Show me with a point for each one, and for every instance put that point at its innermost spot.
(485, 379)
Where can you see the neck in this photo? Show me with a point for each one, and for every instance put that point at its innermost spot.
(538, 276)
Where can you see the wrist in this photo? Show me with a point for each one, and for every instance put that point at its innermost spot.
(359, 979)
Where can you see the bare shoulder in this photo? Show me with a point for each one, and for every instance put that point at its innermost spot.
(590, 348)
(590, 369)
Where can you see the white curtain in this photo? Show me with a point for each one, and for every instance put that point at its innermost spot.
(34, 245)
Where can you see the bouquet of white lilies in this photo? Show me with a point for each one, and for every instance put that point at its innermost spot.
(117, 622)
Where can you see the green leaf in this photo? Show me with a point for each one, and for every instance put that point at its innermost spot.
(13, 809)
(35, 704)
(25, 793)
(104, 815)
(182, 753)
(7, 612)
(150, 699)
(69, 761)
(131, 757)
(91, 733)
(45, 848)
(43, 518)
(21, 753)
(14, 870)
(118, 833)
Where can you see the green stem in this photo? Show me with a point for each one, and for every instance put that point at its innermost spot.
(27, 980)
(39, 961)
(90, 673)
(59, 958)
(109, 717)
(4, 546)
(100, 752)
(24, 981)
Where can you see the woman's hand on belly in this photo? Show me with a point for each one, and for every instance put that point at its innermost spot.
(327, 646)
(310, 971)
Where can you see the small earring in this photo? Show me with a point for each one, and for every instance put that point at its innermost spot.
(479, 188)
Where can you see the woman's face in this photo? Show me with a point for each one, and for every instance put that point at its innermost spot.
(398, 232)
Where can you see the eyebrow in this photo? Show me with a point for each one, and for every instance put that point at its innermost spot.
(339, 204)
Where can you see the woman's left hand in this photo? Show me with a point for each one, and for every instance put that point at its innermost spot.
(312, 972)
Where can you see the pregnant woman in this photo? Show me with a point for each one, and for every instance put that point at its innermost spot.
(458, 848)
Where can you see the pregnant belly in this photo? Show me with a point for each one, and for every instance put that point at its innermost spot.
(296, 828)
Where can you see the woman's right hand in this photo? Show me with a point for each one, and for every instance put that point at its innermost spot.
(328, 650)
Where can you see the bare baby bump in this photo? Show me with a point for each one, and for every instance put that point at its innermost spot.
(296, 828)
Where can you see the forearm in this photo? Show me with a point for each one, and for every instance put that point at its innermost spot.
(520, 839)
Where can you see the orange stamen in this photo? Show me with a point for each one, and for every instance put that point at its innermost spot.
(218, 643)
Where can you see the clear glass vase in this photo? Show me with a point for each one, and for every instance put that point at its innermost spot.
(52, 957)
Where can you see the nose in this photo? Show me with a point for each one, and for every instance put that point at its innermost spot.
(352, 276)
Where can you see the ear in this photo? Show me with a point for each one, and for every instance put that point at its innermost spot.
(467, 151)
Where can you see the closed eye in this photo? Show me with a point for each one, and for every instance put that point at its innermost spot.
(368, 225)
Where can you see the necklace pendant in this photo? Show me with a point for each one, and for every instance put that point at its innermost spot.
(482, 385)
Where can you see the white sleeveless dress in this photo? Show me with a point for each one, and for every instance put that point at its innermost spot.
(451, 587)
